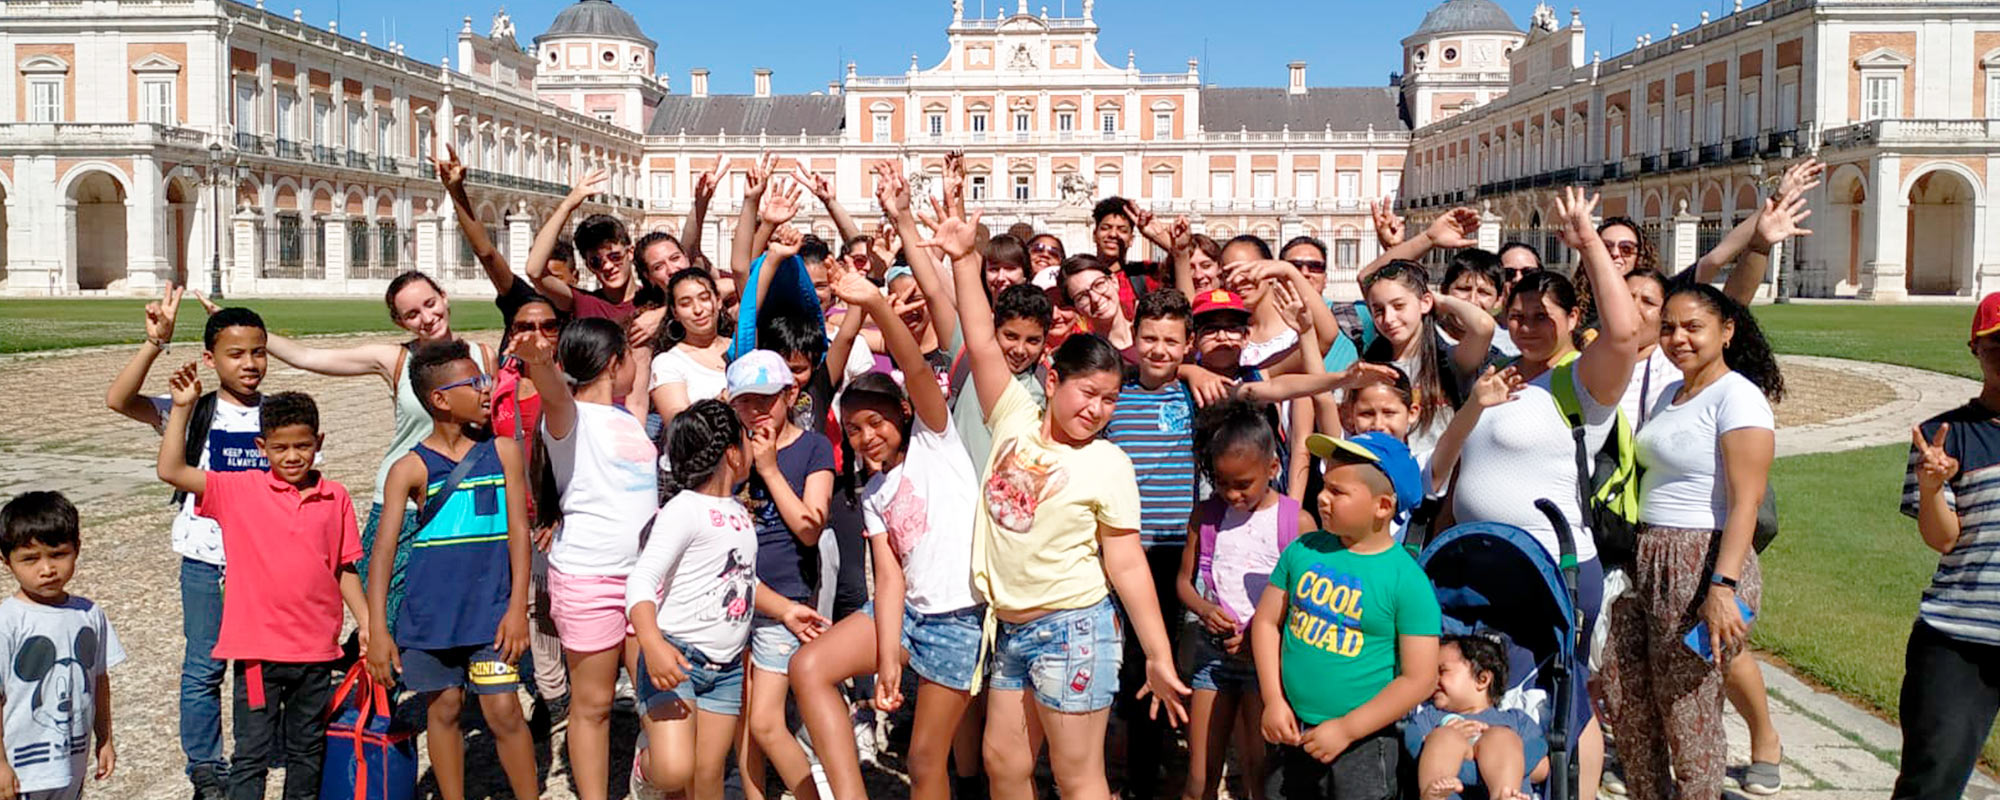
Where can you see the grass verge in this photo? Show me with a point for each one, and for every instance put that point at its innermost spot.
(28, 325)
(1925, 337)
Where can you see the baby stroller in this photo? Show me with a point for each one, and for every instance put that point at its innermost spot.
(1495, 577)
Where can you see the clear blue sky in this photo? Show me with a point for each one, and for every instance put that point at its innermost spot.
(1246, 42)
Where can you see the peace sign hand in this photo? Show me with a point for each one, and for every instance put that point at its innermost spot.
(1934, 465)
(160, 315)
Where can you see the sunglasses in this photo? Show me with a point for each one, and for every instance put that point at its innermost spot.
(1622, 248)
(1309, 265)
(479, 383)
(545, 326)
(1045, 249)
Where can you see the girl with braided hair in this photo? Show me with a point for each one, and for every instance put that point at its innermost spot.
(925, 613)
(700, 560)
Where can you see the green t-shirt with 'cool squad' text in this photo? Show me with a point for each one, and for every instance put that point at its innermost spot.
(1343, 612)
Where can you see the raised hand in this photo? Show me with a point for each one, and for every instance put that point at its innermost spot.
(956, 235)
(885, 244)
(1453, 229)
(450, 170)
(1779, 220)
(781, 206)
(891, 190)
(208, 306)
(855, 289)
(1388, 224)
(1180, 235)
(184, 385)
(785, 243)
(1573, 210)
(533, 348)
(1801, 177)
(1291, 307)
(953, 181)
(1497, 386)
(813, 182)
(705, 184)
(1366, 373)
(1934, 465)
(759, 177)
(160, 316)
(593, 183)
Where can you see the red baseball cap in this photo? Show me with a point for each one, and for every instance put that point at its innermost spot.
(1985, 321)
(1225, 300)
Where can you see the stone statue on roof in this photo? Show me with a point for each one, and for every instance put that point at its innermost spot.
(503, 28)
(1544, 19)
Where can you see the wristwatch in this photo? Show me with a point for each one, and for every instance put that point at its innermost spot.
(1722, 580)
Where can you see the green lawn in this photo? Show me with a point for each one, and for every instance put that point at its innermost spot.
(27, 325)
(1926, 337)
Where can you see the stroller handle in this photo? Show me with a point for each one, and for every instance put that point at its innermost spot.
(1565, 776)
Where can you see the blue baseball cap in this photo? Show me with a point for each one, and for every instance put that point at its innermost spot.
(758, 372)
(1385, 452)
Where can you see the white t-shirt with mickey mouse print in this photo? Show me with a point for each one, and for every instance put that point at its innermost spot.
(53, 656)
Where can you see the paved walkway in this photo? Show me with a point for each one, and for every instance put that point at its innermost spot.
(1919, 395)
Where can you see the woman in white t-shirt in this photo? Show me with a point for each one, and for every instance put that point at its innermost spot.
(919, 528)
(1523, 450)
(1706, 452)
(690, 363)
(604, 480)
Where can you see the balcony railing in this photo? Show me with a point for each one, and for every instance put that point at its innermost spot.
(1711, 153)
(289, 149)
(1976, 134)
(357, 160)
(1649, 163)
(1743, 148)
(1680, 159)
(386, 164)
(323, 154)
(249, 143)
(426, 169)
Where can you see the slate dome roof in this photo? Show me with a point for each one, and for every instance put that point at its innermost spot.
(1465, 16)
(595, 19)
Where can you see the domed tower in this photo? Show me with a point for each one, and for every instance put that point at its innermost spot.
(1457, 59)
(594, 60)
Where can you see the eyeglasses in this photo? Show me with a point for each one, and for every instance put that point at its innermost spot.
(1309, 265)
(545, 326)
(479, 383)
(1225, 329)
(1622, 248)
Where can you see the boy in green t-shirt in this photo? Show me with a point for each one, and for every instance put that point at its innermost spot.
(1346, 635)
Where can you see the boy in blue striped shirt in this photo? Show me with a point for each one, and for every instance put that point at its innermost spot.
(1951, 685)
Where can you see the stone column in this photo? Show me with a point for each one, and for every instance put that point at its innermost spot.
(521, 236)
(1884, 234)
(427, 241)
(242, 273)
(336, 248)
(1683, 253)
(1489, 228)
(146, 268)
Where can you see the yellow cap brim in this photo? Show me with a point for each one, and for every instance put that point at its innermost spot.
(1324, 446)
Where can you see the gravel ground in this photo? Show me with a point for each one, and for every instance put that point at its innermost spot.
(61, 437)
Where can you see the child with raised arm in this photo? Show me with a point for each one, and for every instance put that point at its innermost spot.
(59, 648)
(221, 436)
(291, 537)
(464, 623)
(1345, 634)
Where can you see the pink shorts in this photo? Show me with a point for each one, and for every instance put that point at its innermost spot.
(589, 610)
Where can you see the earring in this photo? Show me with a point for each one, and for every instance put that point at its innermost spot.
(675, 330)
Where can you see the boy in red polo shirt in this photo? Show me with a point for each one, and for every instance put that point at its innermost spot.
(291, 542)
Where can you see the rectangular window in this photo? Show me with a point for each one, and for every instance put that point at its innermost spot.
(322, 113)
(1346, 253)
(1349, 184)
(388, 243)
(1163, 124)
(45, 103)
(1615, 148)
(882, 126)
(1305, 185)
(1750, 114)
(1065, 121)
(1656, 135)
(1163, 186)
(978, 184)
(1713, 121)
(156, 100)
(1022, 121)
(1788, 105)
(291, 241)
(1107, 184)
(357, 131)
(246, 108)
(287, 102)
(423, 141)
(1881, 97)
(1392, 183)
(1221, 185)
(1263, 185)
(1684, 125)
(936, 125)
(319, 241)
(663, 185)
(1023, 188)
(385, 135)
(979, 123)
(1993, 95)
(357, 243)
(1108, 122)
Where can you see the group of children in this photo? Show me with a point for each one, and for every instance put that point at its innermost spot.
(1079, 489)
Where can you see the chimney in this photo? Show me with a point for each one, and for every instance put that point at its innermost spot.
(833, 87)
(698, 83)
(1297, 83)
(763, 82)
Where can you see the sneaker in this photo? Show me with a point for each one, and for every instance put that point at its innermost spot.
(207, 781)
(1610, 782)
(1762, 779)
(819, 781)
(864, 735)
(623, 696)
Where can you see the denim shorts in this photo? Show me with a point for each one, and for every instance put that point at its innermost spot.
(772, 645)
(714, 687)
(1209, 668)
(1070, 657)
(943, 648)
(478, 668)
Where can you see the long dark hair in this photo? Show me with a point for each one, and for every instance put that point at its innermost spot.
(588, 347)
(672, 332)
(1647, 258)
(1433, 395)
(1554, 287)
(698, 441)
(1748, 353)
(878, 392)
(1081, 356)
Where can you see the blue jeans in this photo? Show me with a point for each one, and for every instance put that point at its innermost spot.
(712, 686)
(1068, 658)
(201, 675)
(943, 647)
